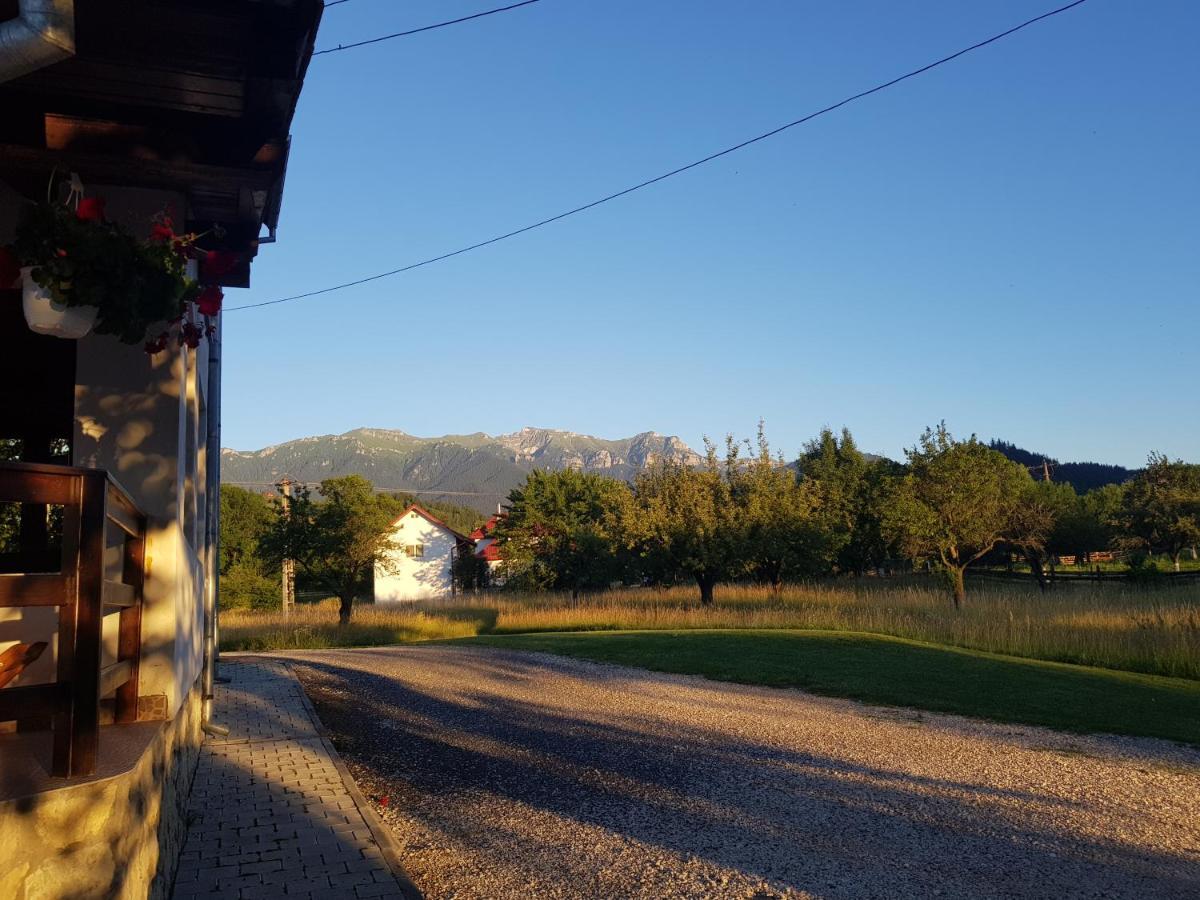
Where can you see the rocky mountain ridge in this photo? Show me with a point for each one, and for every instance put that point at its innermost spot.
(472, 469)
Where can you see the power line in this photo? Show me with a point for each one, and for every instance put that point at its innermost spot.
(388, 37)
(329, 3)
(637, 187)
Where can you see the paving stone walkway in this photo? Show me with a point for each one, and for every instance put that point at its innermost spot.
(270, 814)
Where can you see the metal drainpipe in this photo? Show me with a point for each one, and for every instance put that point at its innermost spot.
(212, 525)
(42, 33)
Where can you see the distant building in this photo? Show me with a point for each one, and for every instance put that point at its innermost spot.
(486, 547)
(422, 565)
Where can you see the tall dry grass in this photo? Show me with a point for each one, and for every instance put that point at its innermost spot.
(1155, 629)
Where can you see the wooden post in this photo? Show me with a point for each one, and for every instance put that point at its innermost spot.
(129, 638)
(77, 726)
(64, 712)
(288, 567)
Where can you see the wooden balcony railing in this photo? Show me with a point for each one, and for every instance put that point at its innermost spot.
(95, 510)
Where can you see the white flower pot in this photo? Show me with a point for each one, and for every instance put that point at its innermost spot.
(47, 317)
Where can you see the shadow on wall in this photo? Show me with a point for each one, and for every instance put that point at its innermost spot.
(138, 417)
(801, 821)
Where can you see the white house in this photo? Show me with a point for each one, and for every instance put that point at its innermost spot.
(422, 565)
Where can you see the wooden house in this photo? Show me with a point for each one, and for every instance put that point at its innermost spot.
(108, 455)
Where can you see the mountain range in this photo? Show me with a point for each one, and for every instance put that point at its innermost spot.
(476, 470)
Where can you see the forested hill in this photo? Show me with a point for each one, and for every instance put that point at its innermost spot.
(463, 519)
(475, 470)
(1083, 476)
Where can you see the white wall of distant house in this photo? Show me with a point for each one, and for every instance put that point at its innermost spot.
(417, 578)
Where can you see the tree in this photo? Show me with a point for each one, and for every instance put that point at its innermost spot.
(245, 518)
(1162, 506)
(470, 573)
(684, 522)
(835, 470)
(247, 578)
(561, 532)
(1038, 524)
(462, 519)
(852, 491)
(958, 500)
(782, 533)
(339, 540)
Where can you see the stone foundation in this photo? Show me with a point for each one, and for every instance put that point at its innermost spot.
(113, 837)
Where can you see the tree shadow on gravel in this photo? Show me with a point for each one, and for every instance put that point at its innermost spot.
(800, 821)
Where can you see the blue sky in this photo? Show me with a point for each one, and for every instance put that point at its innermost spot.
(1010, 242)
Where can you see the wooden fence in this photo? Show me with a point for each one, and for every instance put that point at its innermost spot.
(1057, 576)
(94, 509)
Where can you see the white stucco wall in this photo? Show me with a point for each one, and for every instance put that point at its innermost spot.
(417, 579)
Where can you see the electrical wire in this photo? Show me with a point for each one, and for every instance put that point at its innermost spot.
(681, 169)
(388, 37)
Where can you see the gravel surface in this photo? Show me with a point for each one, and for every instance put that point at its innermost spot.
(518, 775)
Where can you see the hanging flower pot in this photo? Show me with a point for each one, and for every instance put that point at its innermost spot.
(93, 276)
(45, 316)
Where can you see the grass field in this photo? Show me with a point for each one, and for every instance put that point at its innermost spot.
(897, 672)
(1153, 630)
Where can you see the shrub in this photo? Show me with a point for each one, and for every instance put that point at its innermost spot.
(243, 587)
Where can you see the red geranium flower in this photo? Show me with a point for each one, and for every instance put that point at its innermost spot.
(217, 263)
(161, 231)
(91, 209)
(190, 335)
(209, 301)
(157, 345)
(10, 269)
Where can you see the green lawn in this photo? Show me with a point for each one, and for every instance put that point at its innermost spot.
(897, 672)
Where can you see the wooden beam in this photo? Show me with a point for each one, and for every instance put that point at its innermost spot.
(35, 484)
(50, 589)
(118, 595)
(131, 170)
(35, 700)
(114, 676)
(129, 633)
(122, 512)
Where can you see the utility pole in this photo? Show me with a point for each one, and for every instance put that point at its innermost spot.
(1045, 469)
(289, 567)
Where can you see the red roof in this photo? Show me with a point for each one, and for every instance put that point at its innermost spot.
(485, 529)
(421, 511)
(490, 553)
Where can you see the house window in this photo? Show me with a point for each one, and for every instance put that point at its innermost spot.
(414, 551)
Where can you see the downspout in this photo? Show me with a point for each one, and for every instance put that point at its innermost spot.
(42, 33)
(212, 494)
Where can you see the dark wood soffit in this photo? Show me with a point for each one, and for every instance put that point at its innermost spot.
(157, 173)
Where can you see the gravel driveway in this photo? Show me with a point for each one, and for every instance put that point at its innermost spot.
(516, 775)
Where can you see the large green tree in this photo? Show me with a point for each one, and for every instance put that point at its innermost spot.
(246, 516)
(562, 531)
(783, 532)
(247, 577)
(338, 539)
(957, 502)
(853, 491)
(684, 522)
(1162, 506)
